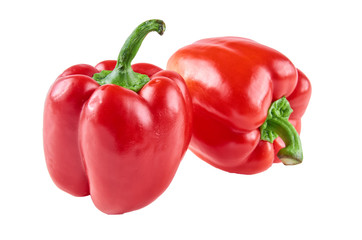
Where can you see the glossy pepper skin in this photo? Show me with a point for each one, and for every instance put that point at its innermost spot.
(240, 91)
(121, 146)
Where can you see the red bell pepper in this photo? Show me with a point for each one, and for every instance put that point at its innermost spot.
(120, 135)
(242, 94)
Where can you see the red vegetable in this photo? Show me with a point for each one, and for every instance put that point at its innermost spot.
(233, 82)
(120, 136)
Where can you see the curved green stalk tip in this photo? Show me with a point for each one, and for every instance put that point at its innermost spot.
(161, 24)
(277, 125)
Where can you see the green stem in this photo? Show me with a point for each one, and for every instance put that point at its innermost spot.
(292, 153)
(277, 124)
(123, 75)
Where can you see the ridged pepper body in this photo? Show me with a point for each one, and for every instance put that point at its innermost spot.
(233, 82)
(117, 131)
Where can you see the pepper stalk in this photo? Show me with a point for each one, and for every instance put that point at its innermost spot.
(277, 124)
(123, 75)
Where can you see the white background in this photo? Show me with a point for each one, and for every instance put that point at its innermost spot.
(318, 199)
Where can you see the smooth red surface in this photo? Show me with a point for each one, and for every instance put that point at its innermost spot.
(121, 147)
(232, 82)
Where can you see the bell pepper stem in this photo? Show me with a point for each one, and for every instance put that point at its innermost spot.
(134, 41)
(277, 124)
(292, 153)
(123, 75)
